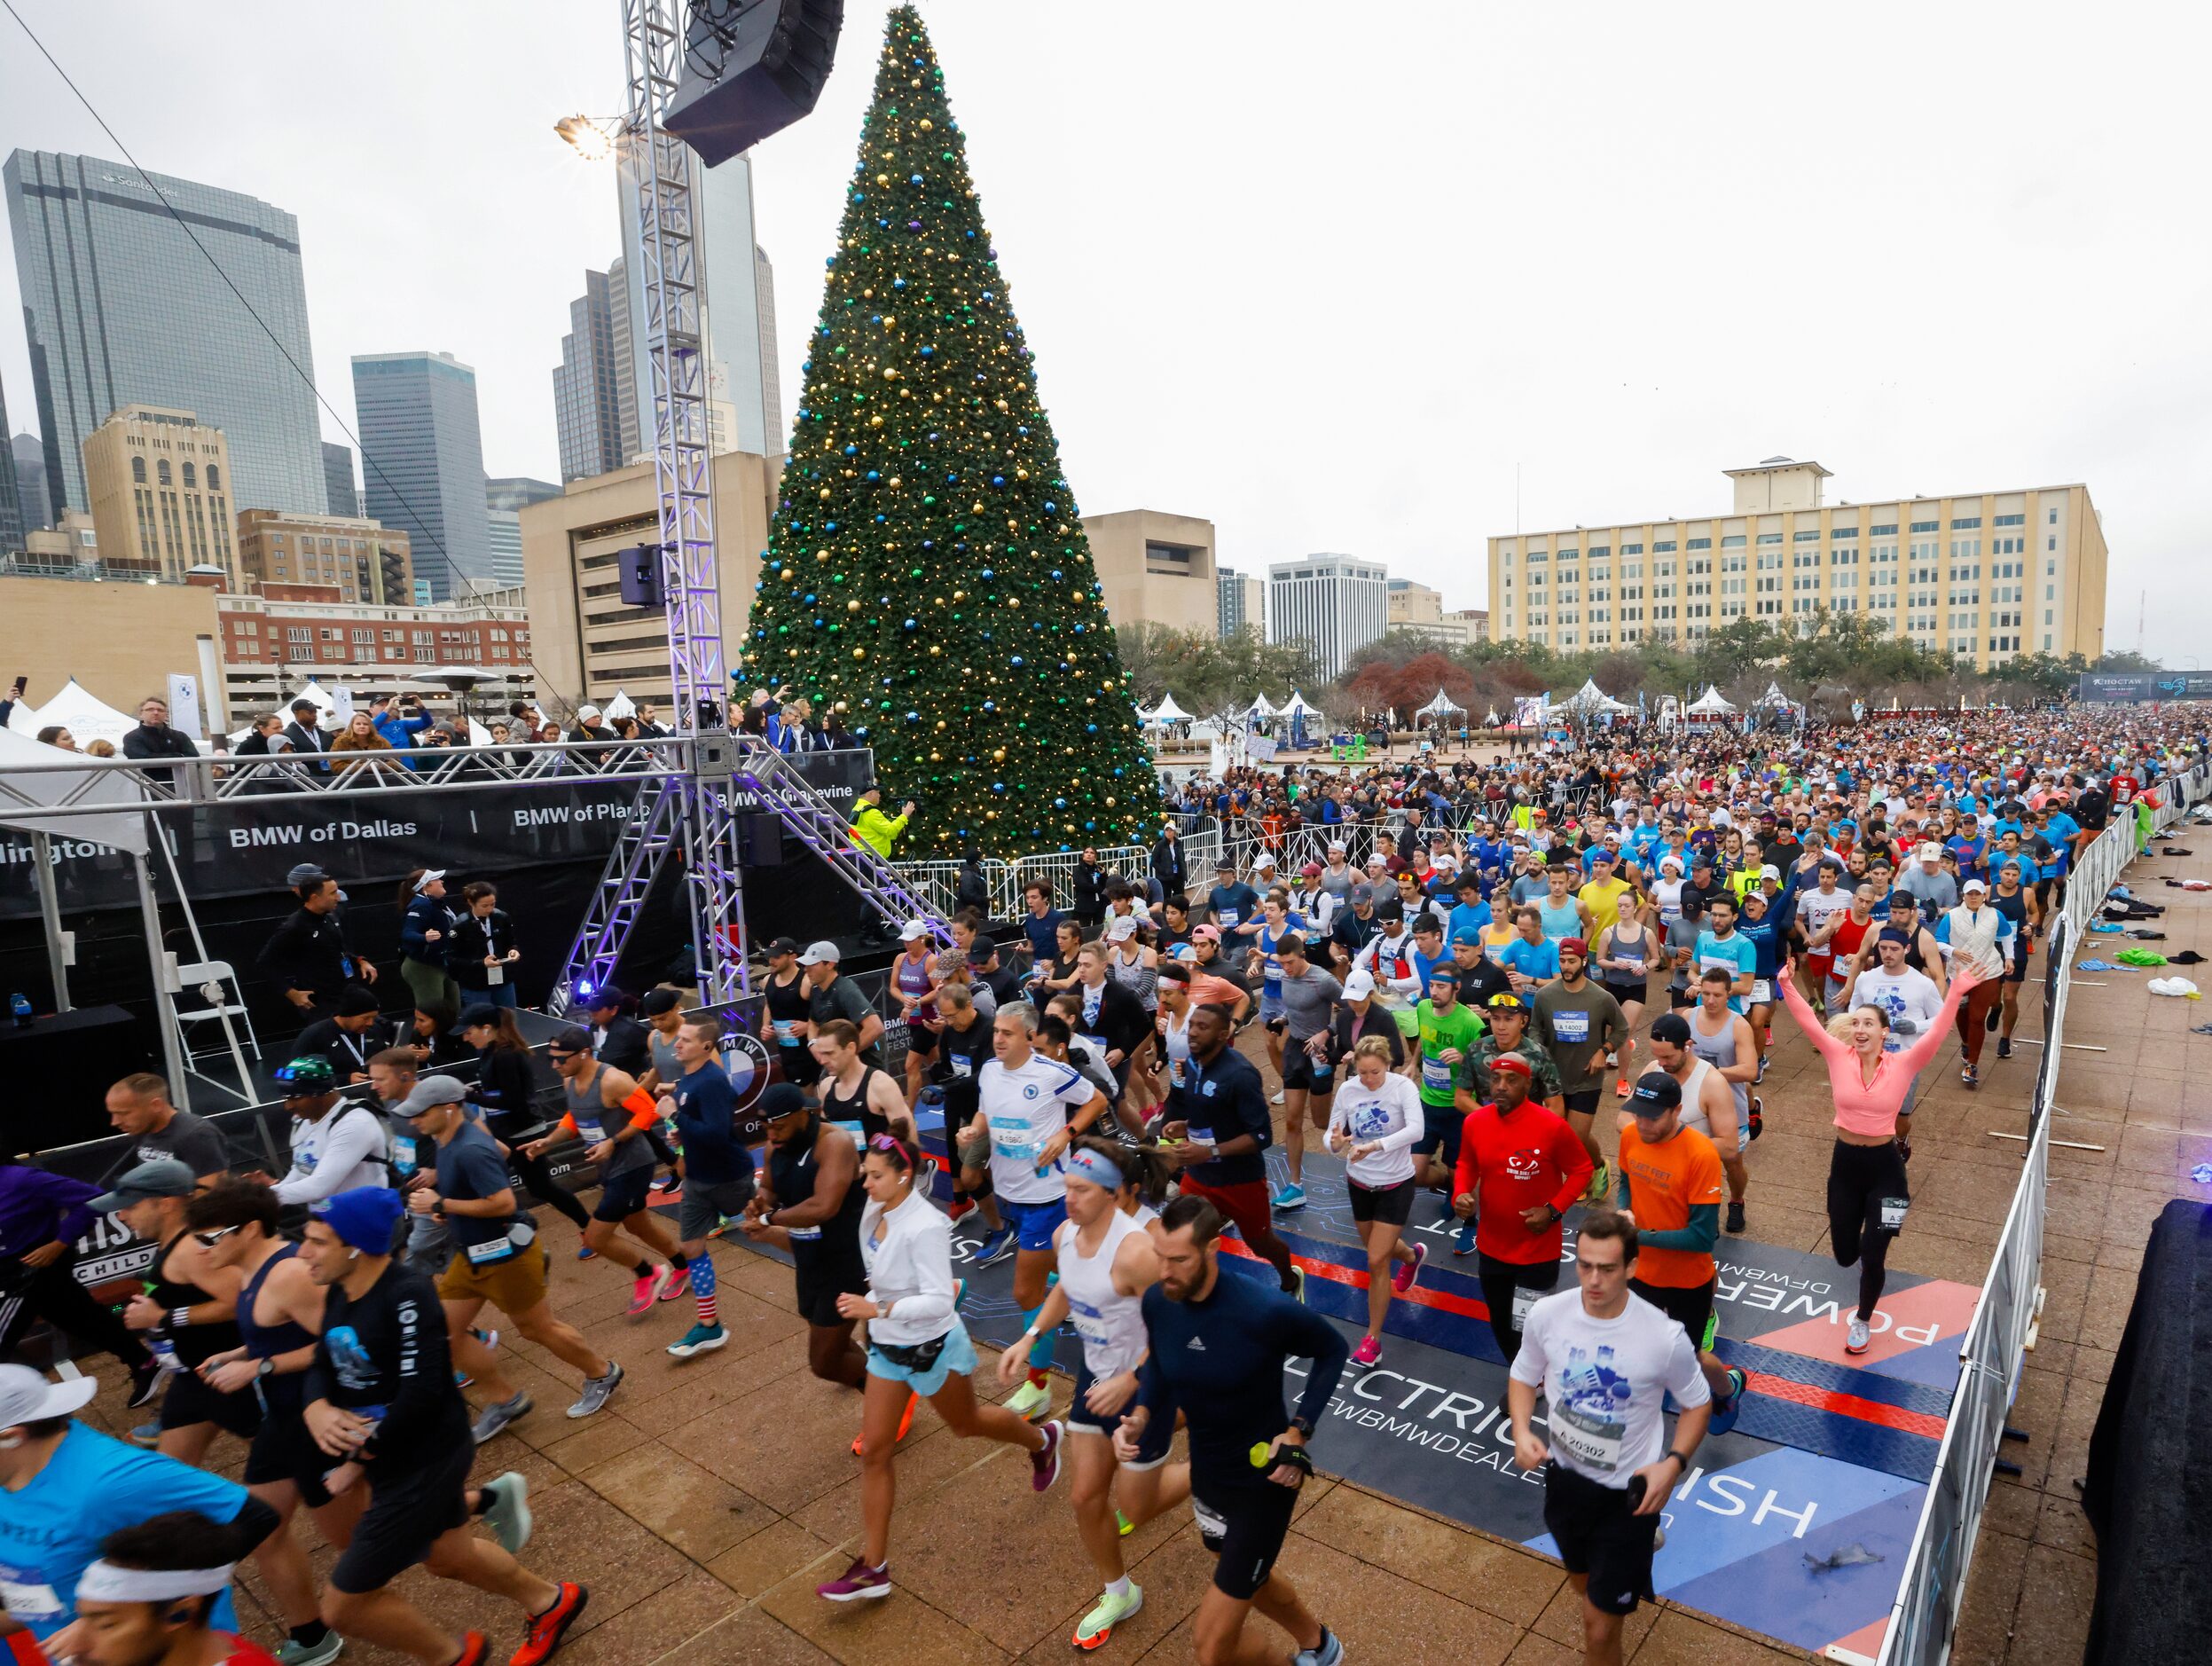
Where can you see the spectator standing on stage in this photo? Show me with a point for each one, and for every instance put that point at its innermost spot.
(401, 723)
(305, 731)
(616, 1039)
(139, 1108)
(42, 1217)
(425, 942)
(872, 828)
(345, 1039)
(153, 738)
(972, 888)
(307, 957)
(482, 953)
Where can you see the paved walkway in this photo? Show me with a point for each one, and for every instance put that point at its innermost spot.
(705, 1504)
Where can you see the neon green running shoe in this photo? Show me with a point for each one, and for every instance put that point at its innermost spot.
(1098, 1625)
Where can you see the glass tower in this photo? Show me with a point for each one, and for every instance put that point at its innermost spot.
(422, 464)
(120, 308)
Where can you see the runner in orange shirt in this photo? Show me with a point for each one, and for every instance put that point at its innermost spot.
(1671, 1186)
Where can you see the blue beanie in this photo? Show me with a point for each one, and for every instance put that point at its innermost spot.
(364, 1218)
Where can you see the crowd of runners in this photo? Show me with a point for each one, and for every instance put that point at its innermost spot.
(1486, 1005)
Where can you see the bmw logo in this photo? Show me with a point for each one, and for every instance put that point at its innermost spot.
(746, 1061)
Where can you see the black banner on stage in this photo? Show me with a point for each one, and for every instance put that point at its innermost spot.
(247, 845)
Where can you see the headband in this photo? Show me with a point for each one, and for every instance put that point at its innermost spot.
(1097, 1167)
(105, 1582)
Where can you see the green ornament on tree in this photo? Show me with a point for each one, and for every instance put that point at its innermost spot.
(918, 403)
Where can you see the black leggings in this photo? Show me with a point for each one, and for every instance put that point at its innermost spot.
(53, 1294)
(545, 1188)
(1860, 1177)
(1500, 1280)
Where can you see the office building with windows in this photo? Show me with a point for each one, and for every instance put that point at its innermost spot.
(13, 525)
(358, 560)
(1240, 602)
(1336, 602)
(587, 386)
(160, 483)
(423, 463)
(338, 485)
(1418, 610)
(121, 307)
(506, 499)
(30, 482)
(1982, 577)
(1154, 569)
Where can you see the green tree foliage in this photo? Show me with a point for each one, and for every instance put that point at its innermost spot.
(927, 573)
(1207, 674)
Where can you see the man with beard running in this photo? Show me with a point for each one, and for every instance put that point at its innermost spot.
(1217, 1130)
(1216, 1343)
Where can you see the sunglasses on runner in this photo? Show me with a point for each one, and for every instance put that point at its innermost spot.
(210, 1239)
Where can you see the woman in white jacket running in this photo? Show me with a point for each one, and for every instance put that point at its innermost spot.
(1373, 1124)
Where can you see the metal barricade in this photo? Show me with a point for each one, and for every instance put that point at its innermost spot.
(1993, 1352)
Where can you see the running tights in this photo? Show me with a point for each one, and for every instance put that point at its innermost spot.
(1973, 1017)
(545, 1188)
(1860, 1179)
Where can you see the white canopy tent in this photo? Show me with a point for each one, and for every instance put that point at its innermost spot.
(1297, 707)
(314, 694)
(1440, 708)
(1709, 704)
(619, 708)
(1165, 713)
(1260, 708)
(77, 709)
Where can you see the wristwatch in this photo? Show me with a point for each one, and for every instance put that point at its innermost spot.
(1303, 1425)
(267, 1368)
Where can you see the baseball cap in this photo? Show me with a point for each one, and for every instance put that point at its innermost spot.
(482, 1012)
(573, 1038)
(1929, 852)
(1972, 885)
(1123, 929)
(1672, 1027)
(1511, 1064)
(305, 873)
(1470, 935)
(1265, 858)
(821, 954)
(27, 1398)
(1363, 893)
(363, 1217)
(1335, 848)
(914, 929)
(1576, 944)
(659, 1000)
(784, 945)
(304, 1077)
(780, 1099)
(163, 1177)
(433, 1091)
(1311, 870)
(607, 1000)
(1360, 986)
(1771, 872)
(1656, 1094)
(1183, 952)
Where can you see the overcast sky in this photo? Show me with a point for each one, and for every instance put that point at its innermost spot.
(1331, 290)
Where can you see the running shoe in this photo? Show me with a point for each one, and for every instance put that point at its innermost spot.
(1758, 1117)
(1044, 1462)
(1278, 1098)
(1289, 1197)
(1621, 1090)
(649, 1288)
(543, 1635)
(474, 1650)
(1029, 1400)
(1401, 1276)
(1601, 1180)
(960, 1292)
(1726, 1411)
(1098, 1625)
(1970, 1076)
(905, 1422)
(147, 1381)
(1858, 1337)
(667, 1183)
(1762, 1076)
(583, 1252)
(1463, 1240)
(996, 1247)
(1369, 1352)
(679, 1284)
(506, 1511)
(1330, 1653)
(1734, 1215)
(701, 1339)
(1996, 1015)
(1296, 1291)
(498, 1415)
(959, 1210)
(2005, 1047)
(597, 1391)
(292, 1653)
(856, 1582)
(147, 1433)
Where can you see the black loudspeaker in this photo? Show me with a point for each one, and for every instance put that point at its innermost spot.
(751, 68)
(640, 571)
(760, 841)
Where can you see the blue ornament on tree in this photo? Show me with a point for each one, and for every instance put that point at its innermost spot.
(1016, 661)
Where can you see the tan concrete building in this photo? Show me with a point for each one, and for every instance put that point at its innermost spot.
(59, 550)
(1475, 619)
(367, 562)
(1156, 569)
(1418, 610)
(121, 640)
(159, 484)
(585, 643)
(1980, 576)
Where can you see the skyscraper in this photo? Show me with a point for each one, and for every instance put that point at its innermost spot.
(345, 497)
(12, 525)
(423, 464)
(1337, 604)
(741, 314)
(506, 499)
(30, 481)
(121, 308)
(588, 404)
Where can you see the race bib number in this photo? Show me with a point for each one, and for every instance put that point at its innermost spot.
(1571, 1027)
(805, 1234)
(1436, 1074)
(494, 976)
(1522, 1300)
(962, 1066)
(593, 1132)
(1631, 965)
(784, 1029)
(1588, 1437)
(1229, 917)
(1893, 1213)
(28, 1596)
(1010, 1139)
(854, 1132)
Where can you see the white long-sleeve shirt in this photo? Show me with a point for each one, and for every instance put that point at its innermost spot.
(1390, 1114)
(343, 1148)
(911, 1268)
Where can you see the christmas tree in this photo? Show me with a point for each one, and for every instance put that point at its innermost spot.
(926, 575)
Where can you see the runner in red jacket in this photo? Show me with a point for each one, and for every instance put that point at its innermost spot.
(1521, 1169)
